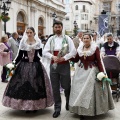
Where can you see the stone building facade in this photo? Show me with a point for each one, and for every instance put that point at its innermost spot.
(82, 11)
(112, 8)
(36, 13)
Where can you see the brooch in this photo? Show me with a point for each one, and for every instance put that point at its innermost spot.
(84, 55)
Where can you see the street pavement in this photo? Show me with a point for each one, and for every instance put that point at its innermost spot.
(46, 114)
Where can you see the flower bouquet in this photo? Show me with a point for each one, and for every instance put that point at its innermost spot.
(72, 66)
(103, 78)
(10, 70)
(61, 53)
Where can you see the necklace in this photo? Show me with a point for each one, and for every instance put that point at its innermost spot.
(87, 46)
(85, 50)
(30, 42)
(84, 55)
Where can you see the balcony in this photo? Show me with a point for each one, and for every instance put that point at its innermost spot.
(84, 1)
(106, 0)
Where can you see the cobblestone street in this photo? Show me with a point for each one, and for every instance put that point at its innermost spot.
(46, 114)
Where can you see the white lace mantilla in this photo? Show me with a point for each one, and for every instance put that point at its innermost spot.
(86, 53)
(25, 46)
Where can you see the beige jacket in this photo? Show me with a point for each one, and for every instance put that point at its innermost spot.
(14, 47)
(76, 41)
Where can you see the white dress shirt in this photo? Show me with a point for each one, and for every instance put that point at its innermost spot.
(58, 46)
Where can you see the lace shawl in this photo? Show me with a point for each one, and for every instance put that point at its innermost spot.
(27, 47)
(89, 52)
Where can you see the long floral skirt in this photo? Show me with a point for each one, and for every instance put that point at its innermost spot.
(29, 88)
(87, 96)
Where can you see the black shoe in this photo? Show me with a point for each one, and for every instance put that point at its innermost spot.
(81, 117)
(56, 114)
(67, 106)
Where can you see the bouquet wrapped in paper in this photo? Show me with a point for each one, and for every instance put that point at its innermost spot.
(61, 53)
(103, 78)
(10, 70)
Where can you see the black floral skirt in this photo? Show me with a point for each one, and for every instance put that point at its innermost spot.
(29, 83)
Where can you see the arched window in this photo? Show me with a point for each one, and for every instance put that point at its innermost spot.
(40, 27)
(76, 7)
(20, 23)
(20, 17)
(40, 22)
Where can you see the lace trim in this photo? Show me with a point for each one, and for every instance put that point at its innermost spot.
(25, 46)
(86, 53)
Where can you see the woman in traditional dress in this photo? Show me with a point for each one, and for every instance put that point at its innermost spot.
(5, 56)
(87, 97)
(29, 88)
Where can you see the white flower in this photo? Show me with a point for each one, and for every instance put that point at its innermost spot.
(100, 76)
(65, 45)
(10, 66)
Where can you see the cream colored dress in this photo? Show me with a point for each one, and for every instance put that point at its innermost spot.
(87, 96)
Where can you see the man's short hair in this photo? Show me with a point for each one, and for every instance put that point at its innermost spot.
(109, 35)
(95, 33)
(13, 34)
(56, 22)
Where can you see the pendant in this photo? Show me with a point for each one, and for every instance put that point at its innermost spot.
(110, 49)
(84, 55)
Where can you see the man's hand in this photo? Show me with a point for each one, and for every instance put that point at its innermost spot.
(102, 55)
(118, 55)
(55, 59)
(62, 59)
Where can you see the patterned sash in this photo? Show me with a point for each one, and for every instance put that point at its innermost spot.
(65, 41)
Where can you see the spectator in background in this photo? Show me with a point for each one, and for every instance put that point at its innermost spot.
(117, 39)
(110, 47)
(8, 34)
(43, 40)
(14, 45)
(97, 40)
(19, 38)
(4, 56)
(78, 39)
(46, 37)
